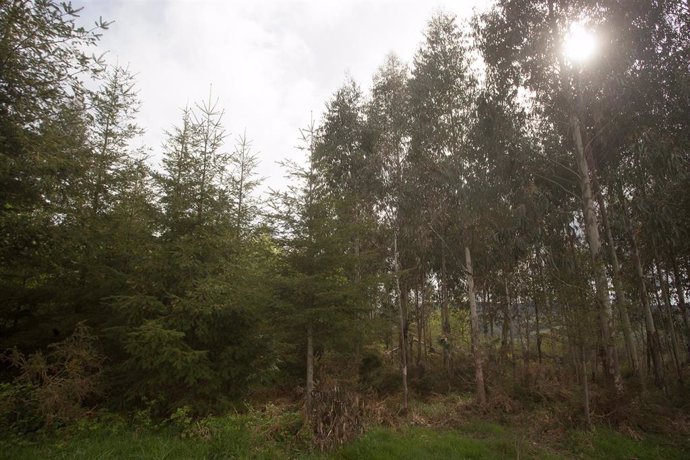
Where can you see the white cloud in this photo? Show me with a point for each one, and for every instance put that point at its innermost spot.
(270, 62)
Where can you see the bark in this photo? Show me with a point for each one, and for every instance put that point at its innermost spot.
(675, 349)
(585, 387)
(474, 330)
(310, 368)
(419, 314)
(526, 354)
(401, 311)
(505, 326)
(508, 327)
(653, 344)
(445, 317)
(538, 330)
(621, 299)
(680, 293)
(594, 243)
(536, 312)
(427, 335)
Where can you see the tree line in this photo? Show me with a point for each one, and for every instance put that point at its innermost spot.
(490, 212)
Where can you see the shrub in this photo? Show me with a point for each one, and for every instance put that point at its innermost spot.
(54, 387)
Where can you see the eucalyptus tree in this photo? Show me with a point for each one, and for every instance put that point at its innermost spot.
(557, 84)
(387, 117)
(441, 98)
(342, 155)
(610, 109)
(344, 160)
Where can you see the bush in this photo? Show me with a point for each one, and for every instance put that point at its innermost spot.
(375, 376)
(52, 388)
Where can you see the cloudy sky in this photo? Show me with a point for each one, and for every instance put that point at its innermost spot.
(271, 63)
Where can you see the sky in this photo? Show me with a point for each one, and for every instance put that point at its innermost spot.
(270, 63)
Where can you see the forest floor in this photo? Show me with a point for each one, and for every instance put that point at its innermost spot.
(429, 430)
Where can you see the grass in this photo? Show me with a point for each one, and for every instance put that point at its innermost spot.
(273, 434)
(219, 438)
(607, 444)
(427, 443)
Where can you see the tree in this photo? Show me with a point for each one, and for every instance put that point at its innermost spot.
(387, 114)
(42, 126)
(243, 163)
(440, 105)
(322, 297)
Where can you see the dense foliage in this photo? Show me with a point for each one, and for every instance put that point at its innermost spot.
(491, 210)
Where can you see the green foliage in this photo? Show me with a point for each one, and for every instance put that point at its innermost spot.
(19, 408)
(166, 362)
(199, 297)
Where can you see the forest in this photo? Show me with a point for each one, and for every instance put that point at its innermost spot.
(482, 253)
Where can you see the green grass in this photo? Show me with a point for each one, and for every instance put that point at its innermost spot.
(270, 436)
(231, 438)
(416, 443)
(606, 444)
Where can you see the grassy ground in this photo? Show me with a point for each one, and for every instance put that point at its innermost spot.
(254, 437)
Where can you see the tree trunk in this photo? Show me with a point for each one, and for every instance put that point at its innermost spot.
(538, 331)
(505, 327)
(445, 316)
(680, 293)
(526, 353)
(585, 388)
(310, 368)
(652, 335)
(401, 311)
(594, 243)
(675, 349)
(621, 299)
(474, 331)
(419, 314)
(508, 328)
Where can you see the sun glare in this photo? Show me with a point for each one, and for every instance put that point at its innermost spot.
(580, 43)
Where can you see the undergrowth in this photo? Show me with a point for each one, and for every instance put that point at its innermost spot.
(441, 427)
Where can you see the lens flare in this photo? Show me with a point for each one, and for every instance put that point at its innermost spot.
(580, 44)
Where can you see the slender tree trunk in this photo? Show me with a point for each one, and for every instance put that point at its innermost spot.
(401, 311)
(508, 328)
(585, 387)
(538, 330)
(549, 323)
(445, 316)
(621, 299)
(680, 293)
(675, 349)
(419, 314)
(505, 326)
(427, 332)
(310, 368)
(526, 355)
(594, 242)
(474, 331)
(652, 335)
(513, 315)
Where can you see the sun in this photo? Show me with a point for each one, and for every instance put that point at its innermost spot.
(580, 44)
